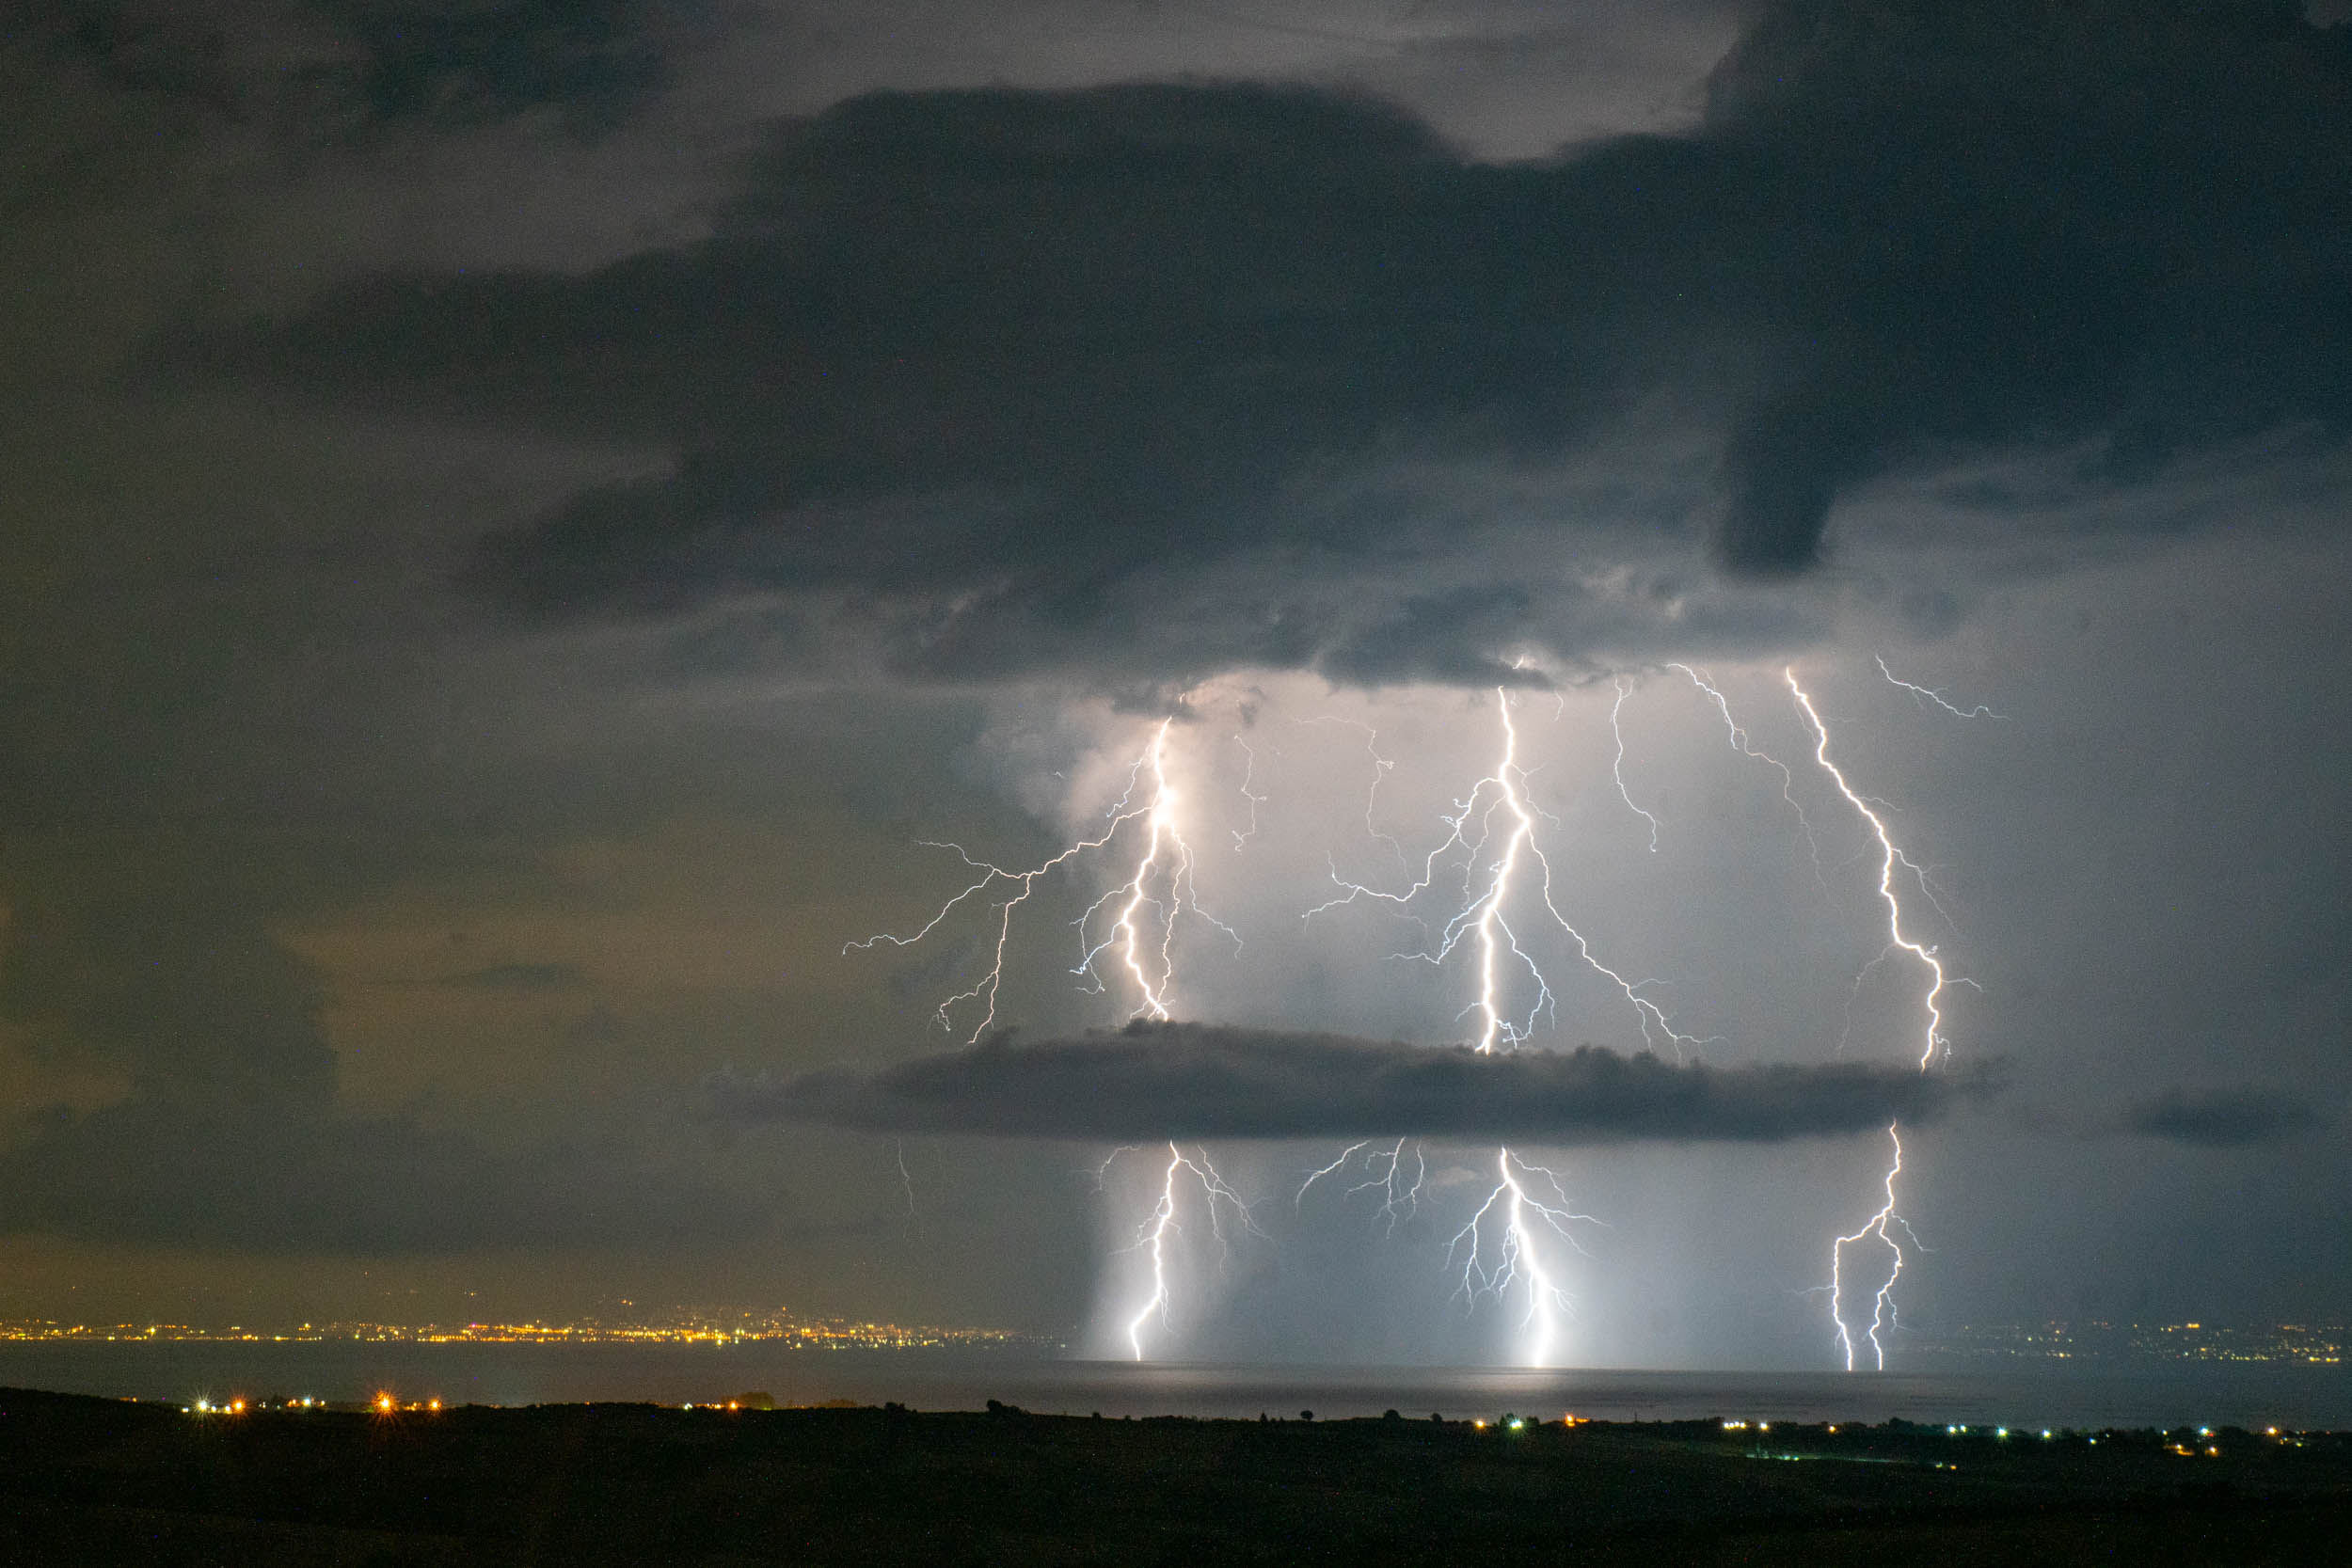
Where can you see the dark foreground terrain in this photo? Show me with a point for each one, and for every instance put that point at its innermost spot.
(102, 1481)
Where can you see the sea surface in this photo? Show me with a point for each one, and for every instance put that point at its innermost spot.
(179, 1373)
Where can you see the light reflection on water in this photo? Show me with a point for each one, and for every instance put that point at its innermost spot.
(524, 1374)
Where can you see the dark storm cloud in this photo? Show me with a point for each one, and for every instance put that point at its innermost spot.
(448, 62)
(460, 61)
(1204, 1081)
(1183, 377)
(152, 966)
(2224, 1118)
(291, 1177)
(176, 987)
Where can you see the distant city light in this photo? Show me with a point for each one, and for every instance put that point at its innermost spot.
(683, 1325)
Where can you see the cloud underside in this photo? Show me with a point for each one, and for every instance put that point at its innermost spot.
(1205, 1080)
(2223, 1118)
(1153, 380)
(348, 63)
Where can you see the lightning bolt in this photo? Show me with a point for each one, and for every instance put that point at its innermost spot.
(1381, 768)
(1493, 1030)
(1485, 917)
(1499, 1248)
(1883, 1300)
(1346, 1154)
(1616, 765)
(1248, 771)
(1162, 839)
(1517, 1260)
(1157, 892)
(1882, 1305)
(1154, 974)
(906, 1176)
(1889, 858)
(1384, 1173)
(1151, 1237)
(1740, 743)
(1924, 695)
(1147, 798)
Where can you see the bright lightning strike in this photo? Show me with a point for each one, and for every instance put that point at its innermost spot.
(1889, 858)
(1168, 858)
(1517, 1255)
(1924, 695)
(1882, 1301)
(1160, 889)
(1152, 899)
(1499, 1248)
(1346, 1154)
(1489, 908)
(1517, 1260)
(1153, 976)
(1152, 1237)
(1616, 765)
(1384, 1173)
(1471, 830)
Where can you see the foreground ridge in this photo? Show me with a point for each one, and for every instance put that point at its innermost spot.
(102, 1481)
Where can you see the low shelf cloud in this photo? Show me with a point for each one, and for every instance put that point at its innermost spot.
(2223, 1118)
(1179, 1079)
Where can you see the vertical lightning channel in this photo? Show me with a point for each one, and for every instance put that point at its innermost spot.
(1517, 1214)
(1161, 1224)
(1889, 858)
(1138, 945)
(1471, 829)
(1500, 1248)
(1493, 1028)
(1878, 1227)
(1747, 747)
(1155, 1237)
(906, 1176)
(1883, 1300)
(1617, 764)
(1249, 772)
(1153, 971)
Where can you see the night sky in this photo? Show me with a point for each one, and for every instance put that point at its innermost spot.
(530, 524)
